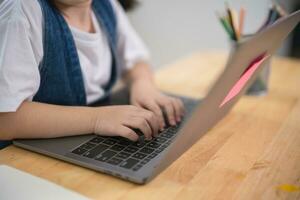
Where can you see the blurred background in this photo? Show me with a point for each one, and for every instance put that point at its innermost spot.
(173, 29)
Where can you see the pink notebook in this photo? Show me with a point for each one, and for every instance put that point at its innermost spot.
(245, 77)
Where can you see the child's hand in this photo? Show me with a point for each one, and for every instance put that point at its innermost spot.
(121, 120)
(144, 94)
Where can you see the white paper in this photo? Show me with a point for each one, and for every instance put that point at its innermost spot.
(15, 185)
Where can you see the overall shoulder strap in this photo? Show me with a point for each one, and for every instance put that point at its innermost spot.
(106, 16)
(61, 76)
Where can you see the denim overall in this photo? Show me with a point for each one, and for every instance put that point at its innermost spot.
(60, 71)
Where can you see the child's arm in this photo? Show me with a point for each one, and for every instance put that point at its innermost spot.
(134, 56)
(144, 94)
(38, 120)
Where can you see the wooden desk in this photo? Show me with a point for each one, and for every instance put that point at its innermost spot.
(253, 153)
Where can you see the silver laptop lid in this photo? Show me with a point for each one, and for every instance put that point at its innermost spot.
(243, 66)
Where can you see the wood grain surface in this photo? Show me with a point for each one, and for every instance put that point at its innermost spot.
(253, 153)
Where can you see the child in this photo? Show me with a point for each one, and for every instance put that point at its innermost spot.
(57, 57)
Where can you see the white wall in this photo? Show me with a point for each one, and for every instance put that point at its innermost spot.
(175, 28)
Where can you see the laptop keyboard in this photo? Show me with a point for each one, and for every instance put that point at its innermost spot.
(121, 152)
(124, 153)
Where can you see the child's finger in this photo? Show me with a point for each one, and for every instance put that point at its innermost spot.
(177, 109)
(181, 105)
(141, 124)
(169, 109)
(152, 120)
(128, 133)
(158, 113)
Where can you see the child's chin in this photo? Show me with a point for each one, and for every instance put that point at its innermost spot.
(72, 2)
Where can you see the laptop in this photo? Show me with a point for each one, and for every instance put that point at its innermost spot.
(141, 161)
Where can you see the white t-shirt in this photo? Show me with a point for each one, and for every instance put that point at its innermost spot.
(21, 51)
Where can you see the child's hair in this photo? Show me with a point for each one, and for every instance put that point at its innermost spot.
(128, 4)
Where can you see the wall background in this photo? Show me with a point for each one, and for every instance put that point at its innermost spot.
(173, 29)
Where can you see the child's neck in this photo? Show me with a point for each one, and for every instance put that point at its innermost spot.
(78, 15)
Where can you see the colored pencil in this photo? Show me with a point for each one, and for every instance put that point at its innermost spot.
(282, 12)
(225, 25)
(235, 23)
(273, 17)
(265, 24)
(230, 17)
(242, 20)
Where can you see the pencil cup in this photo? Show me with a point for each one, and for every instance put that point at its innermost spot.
(260, 85)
